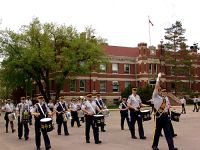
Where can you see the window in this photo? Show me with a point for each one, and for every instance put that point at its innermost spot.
(72, 85)
(115, 68)
(155, 69)
(127, 83)
(103, 67)
(150, 68)
(172, 69)
(115, 85)
(82, 85)
(127, 68)
(102, 86)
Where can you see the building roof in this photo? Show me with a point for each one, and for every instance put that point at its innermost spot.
(122, 51)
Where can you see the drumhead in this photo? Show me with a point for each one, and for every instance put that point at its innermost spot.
(145, 110)
(45, 119)
(98, 115)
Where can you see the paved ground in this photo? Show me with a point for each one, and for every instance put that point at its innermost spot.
(188, 130)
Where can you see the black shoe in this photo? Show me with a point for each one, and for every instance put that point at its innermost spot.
(122, 128)
(134, 137)
(98, 142)
(143, 138)
(103, 130)
(155, 148)
(59, 133)
(79, 126)
(49, 147)
(175, 148)
(26, 138)
(13, 130)
(87, 141)
(20, 138)
(66, 134)
(38, 148)
(174, 135)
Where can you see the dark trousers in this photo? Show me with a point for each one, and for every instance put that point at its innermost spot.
(65, 127)
(183, 109)
(195, 107)
(38, 136)
(124, 115)
(136, 116)
(75, 118)
(30, 118)
(163, 122)
(20, 128)
(7, 122)
(89, 120)
(82, 119)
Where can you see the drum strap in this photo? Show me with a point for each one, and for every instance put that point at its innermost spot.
(162, 108)
(124, 104)
(62, 106)
(41, 109)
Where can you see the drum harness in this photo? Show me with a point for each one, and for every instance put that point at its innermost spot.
(160, 111)
(41, 109)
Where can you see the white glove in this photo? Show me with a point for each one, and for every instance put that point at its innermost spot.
(159, 74)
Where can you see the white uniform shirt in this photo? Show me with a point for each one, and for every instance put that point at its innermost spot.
(8, 107)
(183, 101)
(28, 101)
(50, 105)
(158, 100)
(134, 101)
(73, 106)
(90, 106)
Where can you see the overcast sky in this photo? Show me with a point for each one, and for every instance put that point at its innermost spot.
(121, 22)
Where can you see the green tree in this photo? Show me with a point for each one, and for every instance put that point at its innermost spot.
(174, 36)
(40, 52)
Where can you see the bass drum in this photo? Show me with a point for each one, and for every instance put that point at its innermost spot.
(46, 125)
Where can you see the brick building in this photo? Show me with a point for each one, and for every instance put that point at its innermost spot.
(137, 66)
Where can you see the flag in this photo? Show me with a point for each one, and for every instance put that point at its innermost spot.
(150, 22)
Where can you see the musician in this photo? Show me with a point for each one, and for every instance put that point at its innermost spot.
(51, 105)
(195, 101)
(162, 120)
(23, 111)
(40, 111)
(30, 103)
(183, 103)
(124, 113)
(101, 106)
(61, 108)
(8, 108)
(89, 108)
(80, 103)
(134, 103)
(74, 108)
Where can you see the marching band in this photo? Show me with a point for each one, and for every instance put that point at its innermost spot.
(93, 111)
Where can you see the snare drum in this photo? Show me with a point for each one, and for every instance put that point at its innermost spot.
(11, 116)
(80, 114)
(146, 115)
(69, 116)
(175, 116)
(106, 112)
(98, 120)
(46, 124)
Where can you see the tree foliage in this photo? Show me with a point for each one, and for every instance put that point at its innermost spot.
(42, 52)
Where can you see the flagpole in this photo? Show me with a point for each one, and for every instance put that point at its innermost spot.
(149, 31)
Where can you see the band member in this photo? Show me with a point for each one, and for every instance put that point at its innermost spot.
(134, 103)
(183, 103)
(124, 113)
(51, 105)
(89, 108)
(8, 108)
(101, 106)
(61, 108)
(23, 110)
(195, 100)
(40, 111)
(162, 120)
(30, 103)
(80, 103)
(73, 108)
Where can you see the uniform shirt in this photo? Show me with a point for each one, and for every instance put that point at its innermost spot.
(134, 101)
(100, 103)
(8, 107)
(195, 100)
(50, 105)
(59, 106)
(90, 106)
(183, 101)
(158, 100)
(37, 109)
(123, 105)
(21, 108)
(28, 101)
(73, 106)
